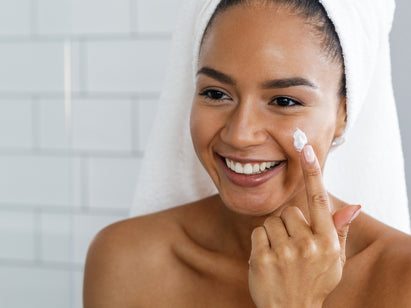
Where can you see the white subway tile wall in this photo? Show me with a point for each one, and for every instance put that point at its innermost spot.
(16, 116)
(53, 133)
(36, 287)
(35, 179)
(17, 235)
(108, 129)
(65, 176)
(15, 17)
(126, 65)
(56, 239)
(106, 173)
(52, 17)
(100, 16)
(157, 15)
(31, 66)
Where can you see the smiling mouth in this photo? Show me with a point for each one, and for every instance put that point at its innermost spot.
(251, 168)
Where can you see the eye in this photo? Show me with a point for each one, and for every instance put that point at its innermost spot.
(285, 102)
(214, 95)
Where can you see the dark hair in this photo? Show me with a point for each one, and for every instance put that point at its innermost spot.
(314, 13)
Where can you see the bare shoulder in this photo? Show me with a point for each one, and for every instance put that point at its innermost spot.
(391, 273)
(127, 255)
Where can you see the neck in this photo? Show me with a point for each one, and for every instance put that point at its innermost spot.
(237, 228)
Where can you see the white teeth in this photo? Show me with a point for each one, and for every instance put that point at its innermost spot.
(263, 166)
(249, 168)
(239, 168)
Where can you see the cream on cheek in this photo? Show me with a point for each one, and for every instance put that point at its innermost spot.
(300, 139)
(319, 138)
(317, 127)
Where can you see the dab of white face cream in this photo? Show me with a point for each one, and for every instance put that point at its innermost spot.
(300, 140)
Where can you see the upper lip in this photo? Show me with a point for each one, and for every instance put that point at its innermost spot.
(249, 160)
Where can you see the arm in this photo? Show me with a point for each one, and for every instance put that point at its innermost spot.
(403, 298)
(105, 276)
(390, 280)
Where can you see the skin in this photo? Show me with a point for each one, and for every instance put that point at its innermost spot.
(283, 243)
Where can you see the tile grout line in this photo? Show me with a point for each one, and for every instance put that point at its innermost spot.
(68, 210)
(85, 162)
(133, 17)
(5, 262)
(35, 118)
(135, 115)
(33, 18)
(38, 238)
(45, 152)
(79, 95)
(141, 36)
(83, 65)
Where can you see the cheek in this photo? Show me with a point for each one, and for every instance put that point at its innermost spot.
(196, 125)
(318, 126)
(319, 130)
(203, 128)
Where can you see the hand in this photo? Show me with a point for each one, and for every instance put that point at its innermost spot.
(294, 263)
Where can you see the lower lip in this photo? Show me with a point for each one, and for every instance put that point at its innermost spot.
(250, 180)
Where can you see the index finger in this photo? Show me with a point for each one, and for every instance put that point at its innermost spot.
(317, 195)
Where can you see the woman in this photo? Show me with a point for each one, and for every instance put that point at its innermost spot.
(272, 236)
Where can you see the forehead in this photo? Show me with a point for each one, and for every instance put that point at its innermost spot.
(264, 39)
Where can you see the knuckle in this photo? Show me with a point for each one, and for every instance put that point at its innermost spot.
(332, 249)
(320, 199)
(307, 248)
(285, 253)
(271, 220)
(272, 223)
(289, 211)
(256, 231)
(261, 260)
(314, 172)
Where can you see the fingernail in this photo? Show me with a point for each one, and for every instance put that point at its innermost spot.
(355, 214)
(309, 154)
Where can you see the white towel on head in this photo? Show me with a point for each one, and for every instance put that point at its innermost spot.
(372, 159)
(367, 169)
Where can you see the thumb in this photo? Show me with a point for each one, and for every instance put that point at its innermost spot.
(342, 219)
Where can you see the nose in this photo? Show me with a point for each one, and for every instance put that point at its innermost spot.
(244, 127)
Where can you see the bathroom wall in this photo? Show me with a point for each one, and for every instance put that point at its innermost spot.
(62, 180)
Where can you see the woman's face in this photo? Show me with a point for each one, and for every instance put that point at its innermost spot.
(261, 75)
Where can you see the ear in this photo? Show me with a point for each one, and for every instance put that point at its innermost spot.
(341, 118)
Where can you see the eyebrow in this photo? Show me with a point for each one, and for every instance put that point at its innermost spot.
(287, 83)
(210, 72)
(271, 84)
